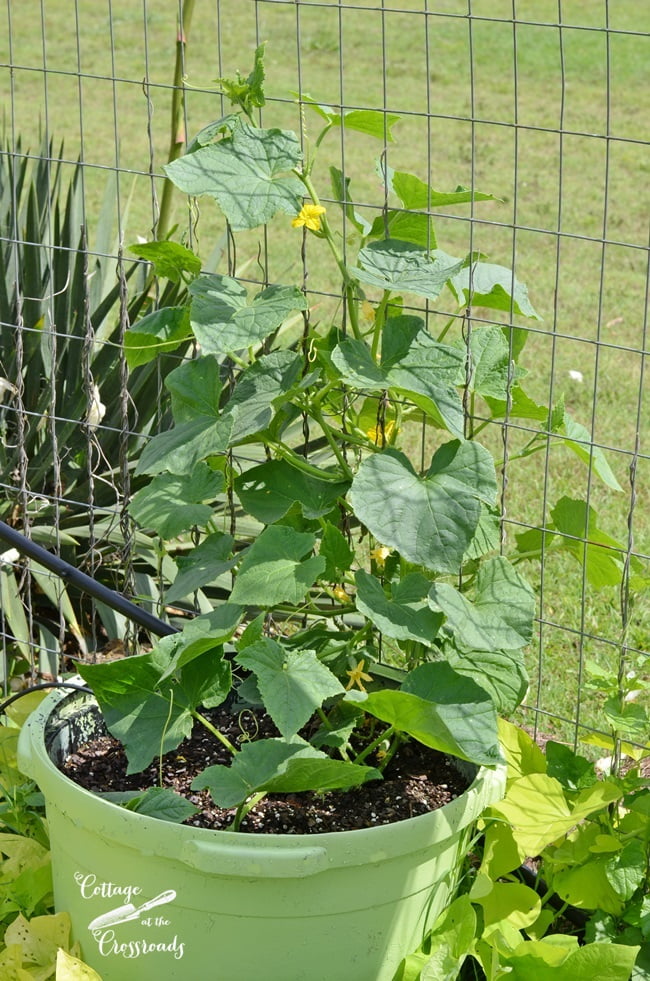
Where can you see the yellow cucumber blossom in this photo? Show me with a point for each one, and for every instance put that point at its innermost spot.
(358, 676)
(340, 594)
(309, 216)
(375, 433)
(380, 554)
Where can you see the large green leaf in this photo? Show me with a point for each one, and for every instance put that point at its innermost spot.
(501, 616)
(248, 173)
(261, 389)
(443, 710)
(602, 555)
(173, 503)
(275, 570)
(293, 684)
(502, 674)
(279, 766)
(492, 372)
(412, 364)
(578, 440)
(372, 122)
(205, 563)
(225, 321)
(271, 489)
(496, 287)
(430, 520)
(403, 267)
(181, 448)
(195, 388)
(403, 614)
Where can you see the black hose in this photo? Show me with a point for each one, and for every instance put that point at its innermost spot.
(86, 583)
(45, 684)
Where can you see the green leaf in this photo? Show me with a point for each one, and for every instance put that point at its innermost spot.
(450, 942)
(578, 440)
(172, 503)
(443, 710)
(601, 554)
(491, 286)
(247, 93)
(271, 489)
(195, 388)
(248, 173)
(160, 331)
(180, 449)
(408, 226)
(492, 372)
(404, 615)
(403, 267)
(265, 385)
(293, 684)
(430, 520)
(163, 803)
(414, 193)
(205, 563)
(223, 319)
(501, 616)
(626, 871)
(559, 959)
(336, 551)
(412, 365)
(573, 771)
(277, 766)
(274, 569)
(372, 122)
(502, 674)
(170, 259)
(341, 192)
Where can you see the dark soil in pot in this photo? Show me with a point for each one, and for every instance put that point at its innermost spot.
(417, 780)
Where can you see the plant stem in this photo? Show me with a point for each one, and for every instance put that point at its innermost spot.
(300, 463)
(245, 807)
(178, 136)
(215, 732)
(382, 737)
(348, 282)
(380, 313)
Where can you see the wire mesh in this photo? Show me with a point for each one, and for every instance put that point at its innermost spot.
(540, 104)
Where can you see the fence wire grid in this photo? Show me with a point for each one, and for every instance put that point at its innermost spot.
(541, 104)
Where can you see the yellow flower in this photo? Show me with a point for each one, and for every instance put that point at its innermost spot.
(380, 554)
(358, 676)
(340, 594)
(375, 432)
(309, 216)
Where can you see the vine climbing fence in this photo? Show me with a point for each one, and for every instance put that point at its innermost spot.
(526, 123)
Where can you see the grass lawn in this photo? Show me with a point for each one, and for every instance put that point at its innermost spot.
(553, 120)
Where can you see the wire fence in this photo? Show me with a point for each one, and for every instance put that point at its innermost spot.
(539, 105)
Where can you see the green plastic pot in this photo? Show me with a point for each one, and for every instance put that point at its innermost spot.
(153, 900)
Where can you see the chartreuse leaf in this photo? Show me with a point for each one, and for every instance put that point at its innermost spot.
(404, 613)
(275, 568)
(501, 616)
(271, 489)
(205, 563)
(70, 968)
(248, 173)
(443, 710)
(430, 520)
(170, 259)
(279, 766)
(559, 958)
(450, 942)
(157, 332)
(491, 286)
(151, 716)
(293, 684)
(224, 320)
(173, 503)
(510, 902)
(412, 364)
(39, 938)
(404, 267)
(522, 753)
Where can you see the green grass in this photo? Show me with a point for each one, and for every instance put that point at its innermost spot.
(561, 194)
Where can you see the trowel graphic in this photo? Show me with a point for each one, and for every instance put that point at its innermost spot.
(130, 912)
